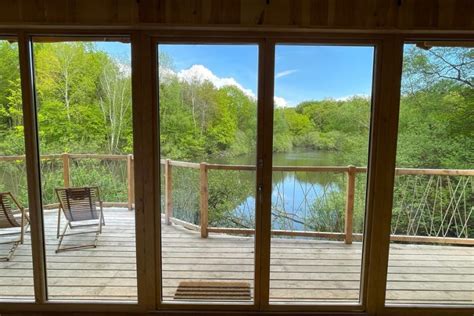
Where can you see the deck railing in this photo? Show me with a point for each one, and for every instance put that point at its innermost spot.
(452, 216)
(456, 187)
(64, 164)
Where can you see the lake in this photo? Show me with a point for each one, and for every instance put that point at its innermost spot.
(300, 200)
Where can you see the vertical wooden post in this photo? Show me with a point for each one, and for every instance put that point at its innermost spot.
(168, 192)
(33, 168)
(204, 195)
(263, 204)
(381, 172)
(132, 178)
(66, 167)
(146, 153)
(130, 182)
(349, 204)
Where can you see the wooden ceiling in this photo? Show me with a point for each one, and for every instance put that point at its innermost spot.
(378, 15)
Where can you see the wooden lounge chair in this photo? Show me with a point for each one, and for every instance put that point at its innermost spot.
(11, 218)
(82, 208)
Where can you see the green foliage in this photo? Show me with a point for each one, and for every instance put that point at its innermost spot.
(435, 128)
(186, 194)
(109, 176)
(84, 106)
(227, 191)
(327, 215)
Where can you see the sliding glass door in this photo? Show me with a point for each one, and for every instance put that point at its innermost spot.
(431, 255)
(16, 269)
(208, 123)
(84, 113)
(322, 115)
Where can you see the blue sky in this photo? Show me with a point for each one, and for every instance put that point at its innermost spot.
(237, 61)
(303, 72)
(318, 72)
(121, 51)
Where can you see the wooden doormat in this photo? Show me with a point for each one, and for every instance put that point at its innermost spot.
(213, 291)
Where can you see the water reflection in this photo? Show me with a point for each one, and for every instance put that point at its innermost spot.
(304, 201)
(311, 201)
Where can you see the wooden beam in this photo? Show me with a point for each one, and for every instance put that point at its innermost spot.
(204, 199)
(434, 172)
(185, 224)
(278, 232)
(388, 16)
(66, 173)
(433, 240)
(349, 211)
(130, 182)
(168, 192)
(184, 164)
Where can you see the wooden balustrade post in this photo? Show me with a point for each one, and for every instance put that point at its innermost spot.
(132, 177)
(204, 195)
(130, 182)
(66, 169)
(351, 174)
(168, 192)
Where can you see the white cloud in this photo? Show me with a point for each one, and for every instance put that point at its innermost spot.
(199, 73)
(358, 95)
(125, 69)
(285, 73)
(165, 74)
(280, 102)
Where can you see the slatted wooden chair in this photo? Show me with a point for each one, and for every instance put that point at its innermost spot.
(82, 208)
(11, 218)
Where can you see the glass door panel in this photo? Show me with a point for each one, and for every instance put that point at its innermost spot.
(84, 110)
(322, 113)
(16, 270)
(431, 254)
(208, 124)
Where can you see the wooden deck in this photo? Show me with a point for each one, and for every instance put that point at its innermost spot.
(302, 270)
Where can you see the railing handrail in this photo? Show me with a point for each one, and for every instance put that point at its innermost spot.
(333, 169)
(351, 171)
(66, 162)
(216, 166)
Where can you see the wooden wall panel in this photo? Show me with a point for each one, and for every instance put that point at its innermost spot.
(333, 14)
(58, 11)
(462, 15)
(68, 12)
(222, 11)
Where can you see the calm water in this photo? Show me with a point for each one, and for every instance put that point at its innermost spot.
(296, 196)
(296, 158)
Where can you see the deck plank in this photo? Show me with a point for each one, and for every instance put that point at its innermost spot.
(301, 270)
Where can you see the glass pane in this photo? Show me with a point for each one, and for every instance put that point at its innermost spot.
(322, 112)
(431, 253)
(84, 105)
(16, 270)
(208, 123)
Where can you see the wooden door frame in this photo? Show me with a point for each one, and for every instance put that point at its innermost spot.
(264, 158)
(160, 39)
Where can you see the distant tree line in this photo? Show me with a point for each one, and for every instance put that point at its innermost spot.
(84, 105)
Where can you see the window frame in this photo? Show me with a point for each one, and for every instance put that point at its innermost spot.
(382, 147)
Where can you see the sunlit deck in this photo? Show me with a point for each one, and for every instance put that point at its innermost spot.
(302, 270)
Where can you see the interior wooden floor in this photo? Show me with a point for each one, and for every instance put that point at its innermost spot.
(301, 270)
